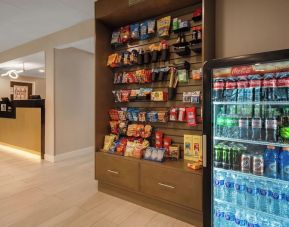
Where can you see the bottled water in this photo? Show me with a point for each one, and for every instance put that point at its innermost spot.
(219, 185)
(263, 199)
(275, 198)
(229, 217)
(240, 217)
(284, 206)
(252, 220)
(219, 220)
(251, 194)
(240, 188)
(275, 223)
(229, 187)
(264, 221)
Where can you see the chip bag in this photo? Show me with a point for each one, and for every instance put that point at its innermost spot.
(163, 25)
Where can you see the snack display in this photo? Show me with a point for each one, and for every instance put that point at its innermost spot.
(163, 25)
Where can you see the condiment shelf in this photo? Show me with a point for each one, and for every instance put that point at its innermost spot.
(258, 212)
(269, 103)
(252, 176)
(255, 142)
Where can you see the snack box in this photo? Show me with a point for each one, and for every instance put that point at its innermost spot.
(193, 150)
(158, 96)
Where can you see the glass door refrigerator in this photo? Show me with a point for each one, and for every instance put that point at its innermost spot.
(246, 126)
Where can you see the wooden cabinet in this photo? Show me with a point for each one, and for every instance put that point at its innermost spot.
(172, 185)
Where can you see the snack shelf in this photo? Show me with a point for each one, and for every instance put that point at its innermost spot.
(255, 142)
(271, 103)
(252, 176)
(258, 212)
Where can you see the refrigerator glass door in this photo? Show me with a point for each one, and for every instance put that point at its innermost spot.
(250, 133)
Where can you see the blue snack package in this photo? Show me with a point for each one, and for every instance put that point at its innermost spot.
(135, 33)
(135, 113)
(130, 114)
(144, 31)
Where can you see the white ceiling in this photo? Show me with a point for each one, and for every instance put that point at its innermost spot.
(22, 21)
(32, 64)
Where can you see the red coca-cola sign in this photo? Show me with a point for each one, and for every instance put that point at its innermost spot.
(242, 70)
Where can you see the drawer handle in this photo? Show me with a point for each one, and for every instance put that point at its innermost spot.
(114, 172)
(166, 185)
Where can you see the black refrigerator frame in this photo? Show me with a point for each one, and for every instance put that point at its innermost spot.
(250, 59)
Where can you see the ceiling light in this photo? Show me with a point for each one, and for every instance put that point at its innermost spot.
(13, 74)
(41, 70)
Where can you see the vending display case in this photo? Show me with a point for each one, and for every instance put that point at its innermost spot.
(246, 124)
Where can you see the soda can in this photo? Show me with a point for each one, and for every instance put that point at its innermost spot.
(246, 163)
(258, 165)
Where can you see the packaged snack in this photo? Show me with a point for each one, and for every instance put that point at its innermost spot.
(144, 30)
(108, 141)
(125, 34)
(113, 114)
(120, 149)
(145, 144)
(188, 147)
(131, 130)
(138, 151)
(114, 127)
(115, 38)
(130, 146)
(174, 114)
(125, 95)
(139, 130)
(151, 27)
(126, 58)
(122, 128)
(147, 76)
(133, 94)
(135, 113)
(167, 143)
(197, 14)
(191, 114)
(133, 57)
(158, 96)
(162, 116)
(183, 76)
(134, 28)
(158, 155)
(142, 116)
(163, 25)
(182, 114)
(147, 131)
(144, 93)
(148, 153)
(193, 147)
(159, 139)
(118, 78)
(195, 165)
(173, 152)
(152, 116)
(117, 96)
(112, 60)
(197, 74)
(129, 114)
(122, 115)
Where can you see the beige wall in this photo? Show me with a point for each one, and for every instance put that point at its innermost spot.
(251, 26)
(74, 100)
(39, 84)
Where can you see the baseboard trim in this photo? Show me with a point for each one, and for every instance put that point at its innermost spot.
(72, 154)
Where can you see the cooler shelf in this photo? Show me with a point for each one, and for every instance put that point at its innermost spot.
(258, 212)
(252, 176)
(252, 142)
(271, 103)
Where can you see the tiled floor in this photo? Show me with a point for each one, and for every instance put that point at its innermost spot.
(34, 193)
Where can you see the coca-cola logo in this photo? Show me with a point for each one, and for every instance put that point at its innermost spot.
(242, 70)
(284, 82)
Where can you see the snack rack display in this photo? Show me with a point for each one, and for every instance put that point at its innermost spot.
(149, 82)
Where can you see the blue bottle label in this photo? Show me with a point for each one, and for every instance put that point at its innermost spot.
(287, 198)
(219, 214)
(219, 182)
(252, 225)
(239, 188)
(229, 185)
(230, 217)
(251, 191)
(262, 192)
(273, 168)
(275, 195)
(240, 222)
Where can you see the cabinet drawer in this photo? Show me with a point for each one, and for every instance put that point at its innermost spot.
(172, 185)
(117, 171)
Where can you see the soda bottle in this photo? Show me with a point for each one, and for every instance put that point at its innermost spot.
(240, 217)
(271, 162)
(218, 155)
(227, 157)
(269, 87)
(242, 85)
(244, 128)
(282, 91)
(230, 192)
(218, 89)
(284, 164)
(284, 205)
(252, 220)
(229, 216)
(220, 125)
(275, 196)
(258, 164)
(284, 128)
(240, 188)
(271, 127)
(231, 90)
(219, 215)
(236, 157)
(219, 185)
(262, 197)
(256, 128)
(251, 194)
(255, 88)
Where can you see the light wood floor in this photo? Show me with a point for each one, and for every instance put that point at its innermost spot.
(34, 193)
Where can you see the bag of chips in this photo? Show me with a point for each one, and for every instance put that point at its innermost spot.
(115, 38)
(122, 115)
(182, 114)
(152, 116)
(122, 128)
(125, 34)
(164, 26)
(174, 114)
(151, 27)
(162, 116)
(130, 146)
(191, 114)
(138, 151)
(108, 141)
(113, 114)
(144, 30)
(142, 116)
(131, 130)
(114, 127)
(134, 28)
(173, 152)
(120, 149)
(159, 139)
(147, 131)
(125, 95)
(167, 143)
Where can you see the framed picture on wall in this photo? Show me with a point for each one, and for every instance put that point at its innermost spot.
(20, 90)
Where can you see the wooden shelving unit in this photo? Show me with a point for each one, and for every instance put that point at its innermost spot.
(177, 189)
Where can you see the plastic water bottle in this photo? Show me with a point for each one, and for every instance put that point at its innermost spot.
(263, 199)
(264, 221)
(284, 206)
(219, 220)
(252, 220)
(219, 185)
(229, 217)
(240, 217)
(275, 198)
(229, 187)
(251, 194)
(240, 188)
(275, 223)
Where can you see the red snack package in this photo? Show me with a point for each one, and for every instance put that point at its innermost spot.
(121, 146)
(159, 139)
(174, 114)
(167, 143)
(114, 127)
(113, 114)
(125, 95)
(182, 114)
(125, 33)
(191, 113)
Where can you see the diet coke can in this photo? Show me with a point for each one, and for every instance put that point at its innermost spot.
(258, 165)
(246, 163)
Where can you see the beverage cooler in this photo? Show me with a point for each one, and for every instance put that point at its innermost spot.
(246, 123)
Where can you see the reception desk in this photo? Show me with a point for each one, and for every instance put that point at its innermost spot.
(23, 126)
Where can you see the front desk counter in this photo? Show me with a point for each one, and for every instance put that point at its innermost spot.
(24, 127)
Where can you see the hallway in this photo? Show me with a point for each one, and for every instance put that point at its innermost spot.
(34, 193)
